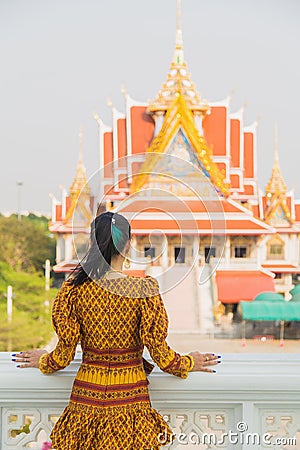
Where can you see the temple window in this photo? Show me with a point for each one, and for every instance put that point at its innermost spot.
(179, 255)
(149, 251)
(240, 252)
(275, 248)
(209, 252)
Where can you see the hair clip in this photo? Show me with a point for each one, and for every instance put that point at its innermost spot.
(113, 221)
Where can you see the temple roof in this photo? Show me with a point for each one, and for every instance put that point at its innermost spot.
(178, 80)
(180, 115)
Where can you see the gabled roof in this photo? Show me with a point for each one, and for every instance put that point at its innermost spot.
(179, 115)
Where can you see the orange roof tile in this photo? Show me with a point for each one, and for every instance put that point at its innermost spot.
(142, 129)
(235, 127)
(249, 155)
(216, 120)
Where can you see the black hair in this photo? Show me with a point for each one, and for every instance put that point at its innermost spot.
(110, 232)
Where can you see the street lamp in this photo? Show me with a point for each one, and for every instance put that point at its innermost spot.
(19, 186)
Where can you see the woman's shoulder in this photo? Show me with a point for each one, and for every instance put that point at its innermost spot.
(150, 286)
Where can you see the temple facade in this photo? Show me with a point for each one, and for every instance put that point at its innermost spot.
(184, 172)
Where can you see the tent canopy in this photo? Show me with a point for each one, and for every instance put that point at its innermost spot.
(271, 310)
(269, 296)
(295, 290)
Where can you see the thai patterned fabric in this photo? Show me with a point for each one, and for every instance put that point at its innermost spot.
(109, 406)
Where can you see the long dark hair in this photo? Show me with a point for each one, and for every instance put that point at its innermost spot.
(110, 232)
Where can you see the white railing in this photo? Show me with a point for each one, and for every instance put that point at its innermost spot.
(257, 393)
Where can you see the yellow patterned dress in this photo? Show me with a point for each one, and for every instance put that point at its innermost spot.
(109, 407)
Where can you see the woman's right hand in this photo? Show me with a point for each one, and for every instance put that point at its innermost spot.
(203, 360)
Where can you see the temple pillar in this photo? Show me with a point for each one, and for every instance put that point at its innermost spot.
(164, 253)
(196, 241)
(227, 251)
(68, 247)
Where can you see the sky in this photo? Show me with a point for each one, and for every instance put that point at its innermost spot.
(62, 59)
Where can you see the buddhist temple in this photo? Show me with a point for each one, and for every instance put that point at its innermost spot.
(183, 170)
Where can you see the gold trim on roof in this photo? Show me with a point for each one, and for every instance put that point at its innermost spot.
(278, 201)
(179, 115)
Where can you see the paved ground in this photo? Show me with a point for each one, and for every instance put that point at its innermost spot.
(189, 342)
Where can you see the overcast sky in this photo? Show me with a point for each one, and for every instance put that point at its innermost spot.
(62, 59)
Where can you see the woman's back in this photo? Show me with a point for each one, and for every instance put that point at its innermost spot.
(109, 312)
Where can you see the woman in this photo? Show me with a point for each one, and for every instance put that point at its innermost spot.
(113, 316)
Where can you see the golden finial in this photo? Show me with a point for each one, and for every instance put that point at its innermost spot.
(178, 80)
(80, 181)
(178, 55)
(276, 184)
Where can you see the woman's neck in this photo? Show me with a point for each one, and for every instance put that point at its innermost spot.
(117, 264)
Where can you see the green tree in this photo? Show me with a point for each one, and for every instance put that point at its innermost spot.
(31, 318)
(27, 243)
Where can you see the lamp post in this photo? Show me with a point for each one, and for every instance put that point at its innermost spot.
(47, 274)
(9, 296)
(9, 303)
(19, 186)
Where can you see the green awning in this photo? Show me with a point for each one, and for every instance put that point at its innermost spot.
(271, 310)
(295, 290)
(269, 296)
(296, 297)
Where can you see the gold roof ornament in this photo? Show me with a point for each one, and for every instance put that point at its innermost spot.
(80, 190)
(278, 212)
(178, 81)
(80, 184)
(276, 184)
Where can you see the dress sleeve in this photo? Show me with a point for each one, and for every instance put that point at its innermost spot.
(154, 331)
(67, 329)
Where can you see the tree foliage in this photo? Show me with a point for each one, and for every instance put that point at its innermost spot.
(31, 318)
(26, 244)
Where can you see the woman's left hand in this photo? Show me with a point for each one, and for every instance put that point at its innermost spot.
(30, 358)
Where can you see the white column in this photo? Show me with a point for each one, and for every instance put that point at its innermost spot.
(227, 251)
(68, 247)
(164, 253)
(259, 252)
(196, 241)
(47, 274)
